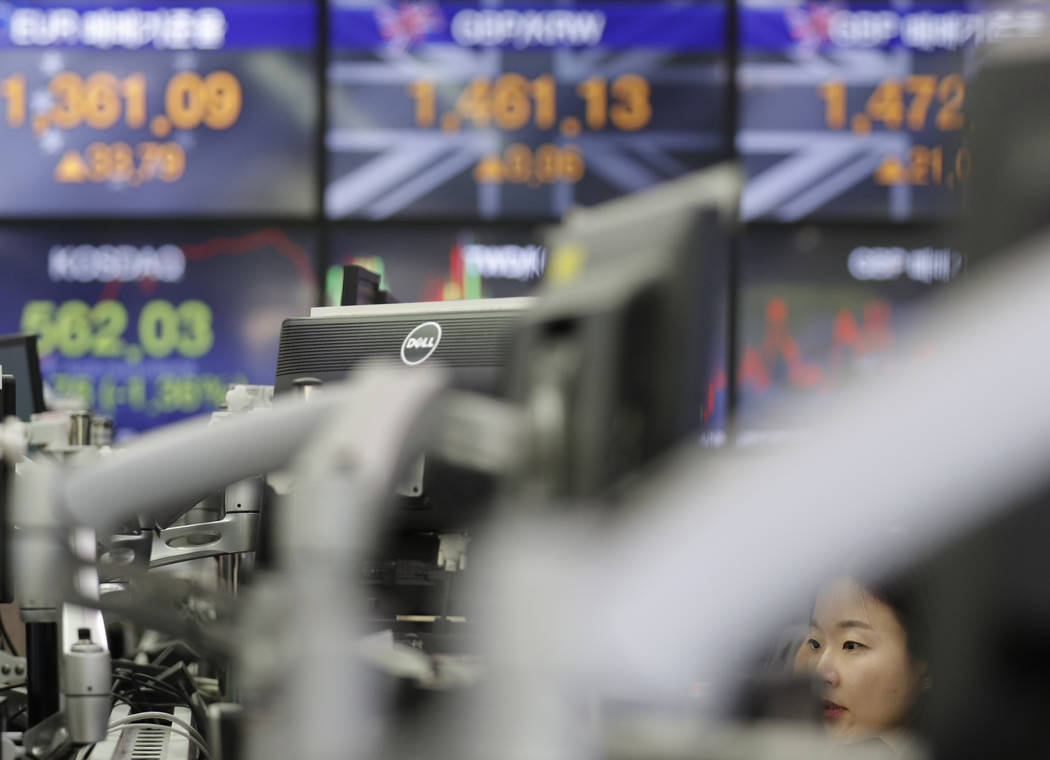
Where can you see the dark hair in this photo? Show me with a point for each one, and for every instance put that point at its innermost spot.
(903, 595)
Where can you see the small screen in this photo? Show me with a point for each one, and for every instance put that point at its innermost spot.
(18, 358)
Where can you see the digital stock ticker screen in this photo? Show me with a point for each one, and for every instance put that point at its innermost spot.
(821, 305)
(157, 109)
(859, 110)
(515, 110)
(433, 142)
(148, 324)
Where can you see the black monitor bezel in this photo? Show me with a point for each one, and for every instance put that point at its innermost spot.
(36, 380)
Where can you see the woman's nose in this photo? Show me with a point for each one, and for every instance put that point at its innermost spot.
(826, 669)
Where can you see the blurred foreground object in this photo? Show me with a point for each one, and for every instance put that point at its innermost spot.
(614, 360)
(1009, 193)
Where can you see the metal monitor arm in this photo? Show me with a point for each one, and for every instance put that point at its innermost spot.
(347, 446)
(235, 533)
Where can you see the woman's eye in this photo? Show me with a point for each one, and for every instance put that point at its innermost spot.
(813, 644)
(852, 645)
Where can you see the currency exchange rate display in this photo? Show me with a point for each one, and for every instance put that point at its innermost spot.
(483, 110)
(150, 324)
(157, 109)
(859, 110)
(820, 305)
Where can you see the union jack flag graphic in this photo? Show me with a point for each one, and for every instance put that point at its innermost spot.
(809, 24)
(406, 24)
(5, 17)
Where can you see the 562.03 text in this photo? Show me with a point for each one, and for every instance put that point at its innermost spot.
(75, 329)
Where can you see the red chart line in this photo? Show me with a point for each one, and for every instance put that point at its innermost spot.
(236, 246)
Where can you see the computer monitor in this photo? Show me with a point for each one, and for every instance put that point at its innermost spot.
(624, 329)
(472, 339)
(21, 395)
(409, 590)
(19, 359)
(362, 287)
(7, 408)
(1008, 193)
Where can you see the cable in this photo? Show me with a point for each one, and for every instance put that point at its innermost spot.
(140, 701)
(135, 675)
(7, 639)
(124, 699)
(196, 742)
(156, 683)
(139, 681)
(21, 710)
(135, 685)
(136, 717)
(147, 688)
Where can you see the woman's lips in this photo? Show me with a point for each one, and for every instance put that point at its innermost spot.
(832, 711)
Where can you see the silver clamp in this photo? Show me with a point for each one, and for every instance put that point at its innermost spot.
(124, 552)
(233, 534)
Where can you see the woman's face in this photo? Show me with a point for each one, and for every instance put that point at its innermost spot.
(858, 649)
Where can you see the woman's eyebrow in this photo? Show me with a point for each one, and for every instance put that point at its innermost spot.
(854, 624)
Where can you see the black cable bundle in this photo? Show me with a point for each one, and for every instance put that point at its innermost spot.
(145, 687)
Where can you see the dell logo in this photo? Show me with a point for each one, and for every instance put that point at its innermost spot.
(420, 343)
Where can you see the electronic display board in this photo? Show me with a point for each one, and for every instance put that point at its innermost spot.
(155, 109)
(149, 324)
(858, 110)
(511, 110)
(442, 263)
(819, 305)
